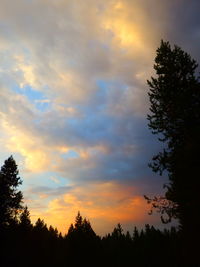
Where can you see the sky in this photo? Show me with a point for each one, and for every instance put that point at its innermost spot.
(74, 102)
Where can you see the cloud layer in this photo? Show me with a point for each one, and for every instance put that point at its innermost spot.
(73, 101)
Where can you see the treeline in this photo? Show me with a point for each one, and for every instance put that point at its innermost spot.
(25, 244)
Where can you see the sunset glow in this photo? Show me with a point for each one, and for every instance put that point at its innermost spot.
(74, 104)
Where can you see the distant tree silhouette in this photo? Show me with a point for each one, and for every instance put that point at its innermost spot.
(175, 117)
(81, 228)
(118, 232)
(24, 244)
(41, 229)
(10, 197)
(78, 226)
(82, 239)
(135, 234)
(53, 232)
(71, 229)
(25, 220)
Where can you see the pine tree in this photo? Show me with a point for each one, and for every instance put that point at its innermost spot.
(175, 116)
(118, 232)
(81, 227)
(25, 221)
(71, 229)
(40, 226)
(78, 222)
(10, 197)
(135, 234)
(53, 232)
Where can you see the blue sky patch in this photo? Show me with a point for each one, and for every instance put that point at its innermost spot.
(34, 96)
(71, 154)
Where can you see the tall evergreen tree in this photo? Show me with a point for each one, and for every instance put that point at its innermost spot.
(10, 197)
(175, 117)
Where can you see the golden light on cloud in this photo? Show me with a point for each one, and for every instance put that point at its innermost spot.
(126, 33)
(36, 159)
(109, 200)
(28, 74)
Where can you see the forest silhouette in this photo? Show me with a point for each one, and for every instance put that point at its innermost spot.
(175, 117)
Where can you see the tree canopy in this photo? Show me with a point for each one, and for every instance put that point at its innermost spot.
(175, 116)
(10, 196)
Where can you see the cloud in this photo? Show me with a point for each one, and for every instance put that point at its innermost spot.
(109, 201)
(73, 93)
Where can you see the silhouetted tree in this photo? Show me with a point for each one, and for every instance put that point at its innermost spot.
(25, 221)
(78, 222)
(82, 239)
(40, 228)
(118, 232)
(23, 244)
(53, 232)
(10, 197)
(82, 227)
(135, 234)
(175, 117)
(71, 229)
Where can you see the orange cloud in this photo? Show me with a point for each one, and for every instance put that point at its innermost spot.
(108, 202)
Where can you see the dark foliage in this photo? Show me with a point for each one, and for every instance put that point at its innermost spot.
(175, 117)
(10, 198)
(43, 246)
(24, 244)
